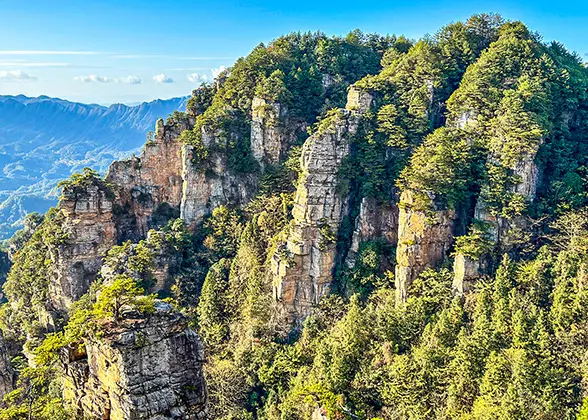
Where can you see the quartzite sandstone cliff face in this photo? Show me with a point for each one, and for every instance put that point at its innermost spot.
(377, 220)
(91, 231)
(272, 131)
(148, 367)
(303, 266)
(207, 186)
(150, 183)
(424, 238)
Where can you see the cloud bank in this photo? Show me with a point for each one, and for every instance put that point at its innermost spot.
(162, 78)
(92, 78)
(197, 78)
(16, 76)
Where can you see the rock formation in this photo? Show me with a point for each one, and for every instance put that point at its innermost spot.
(148, 367)
(272, 131)
(205, 188)
(376, 220)
(303, 266)
(424, 238)
(90, 232)
(150, 184)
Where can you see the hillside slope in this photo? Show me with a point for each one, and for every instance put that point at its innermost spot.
(363, 227)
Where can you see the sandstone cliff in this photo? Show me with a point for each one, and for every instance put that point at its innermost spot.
(148, 367)
(424, 238)
(303, 266)
(90, 231)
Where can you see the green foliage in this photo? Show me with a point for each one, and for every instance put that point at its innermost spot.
(79, 183)
(119, 293)
(27, 285)
(445, 165)
(214, 305)
(223, 231)
(37, 396)
(476, 243)
(199, 151)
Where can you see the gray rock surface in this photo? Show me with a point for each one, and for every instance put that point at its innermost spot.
(147, 367)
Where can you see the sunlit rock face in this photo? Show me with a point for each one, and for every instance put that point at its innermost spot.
(90, 230)
(303, 265)
(146, 367)
(423, 241)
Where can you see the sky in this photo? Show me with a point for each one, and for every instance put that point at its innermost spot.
(129, 51)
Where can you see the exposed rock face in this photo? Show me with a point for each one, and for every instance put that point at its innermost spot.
(204, 189)
(303, 266)
(148, 367)
(272, 131)
(7, 374)
(423, 241)
(466, 271)
(376, 220)
(150, 183)
(91, 232)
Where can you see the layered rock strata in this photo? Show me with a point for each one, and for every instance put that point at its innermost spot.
(303, 265)
(146, 367)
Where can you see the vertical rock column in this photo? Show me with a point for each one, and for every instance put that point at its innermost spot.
(424, 237)
(303, 266)
(146, 367)
(91, 232)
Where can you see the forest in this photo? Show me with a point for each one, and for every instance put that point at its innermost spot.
(482, 123)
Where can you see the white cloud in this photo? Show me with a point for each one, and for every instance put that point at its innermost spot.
(217, 71)
(131, 80)
(162, 78)
(16, 76)
(197, 78)
(92, 78)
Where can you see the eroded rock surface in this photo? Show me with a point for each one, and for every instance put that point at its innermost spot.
(424, 238)
(376, 220)
(91, 231)
(303, 266)
(146, 367)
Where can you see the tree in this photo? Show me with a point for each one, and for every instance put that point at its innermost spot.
(121, 292)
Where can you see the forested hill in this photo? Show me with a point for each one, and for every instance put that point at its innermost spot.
(44, 140)
(359, 227)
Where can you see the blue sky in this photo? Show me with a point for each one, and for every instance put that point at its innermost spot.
(128, 51)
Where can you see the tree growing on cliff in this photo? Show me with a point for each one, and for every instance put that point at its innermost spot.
(121, 292)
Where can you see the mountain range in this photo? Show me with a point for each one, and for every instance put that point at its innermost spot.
(44, 140)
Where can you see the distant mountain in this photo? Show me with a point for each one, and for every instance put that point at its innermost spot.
(44, 140)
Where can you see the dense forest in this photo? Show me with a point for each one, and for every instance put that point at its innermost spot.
(483, 126)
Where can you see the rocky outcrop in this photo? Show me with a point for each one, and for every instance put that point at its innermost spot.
(501, 230)
(149, 187)
(424, 238)
(303, 265)
(205, 188)
(376, 220)
(467, 270)
(272, 131)
(146, 367)
(90, 232)
(7, 374)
